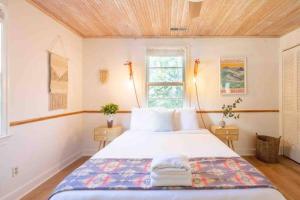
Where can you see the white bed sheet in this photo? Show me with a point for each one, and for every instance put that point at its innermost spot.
(197, 143)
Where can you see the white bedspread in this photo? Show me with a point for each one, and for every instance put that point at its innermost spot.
(198, 143)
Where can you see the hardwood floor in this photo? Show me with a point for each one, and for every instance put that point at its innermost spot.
(43, 191)
(285, 176)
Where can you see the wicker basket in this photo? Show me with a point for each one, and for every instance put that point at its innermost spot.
(267, 148)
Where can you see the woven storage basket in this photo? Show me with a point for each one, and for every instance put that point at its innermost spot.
(267, 148)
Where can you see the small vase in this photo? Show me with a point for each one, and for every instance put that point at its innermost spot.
(222, 123)
(110, 121)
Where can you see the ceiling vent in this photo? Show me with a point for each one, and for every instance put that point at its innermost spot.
(178, 29)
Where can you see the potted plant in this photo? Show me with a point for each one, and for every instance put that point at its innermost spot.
(110, 110)
(228, 112)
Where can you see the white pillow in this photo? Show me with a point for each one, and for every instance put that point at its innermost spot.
(163, 120)
(142, 119)
(187, 119)
(152, 119)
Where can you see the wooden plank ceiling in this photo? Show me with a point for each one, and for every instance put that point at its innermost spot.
(155, 18)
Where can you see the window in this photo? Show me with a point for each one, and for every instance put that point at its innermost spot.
(3, 75)
(165, 77)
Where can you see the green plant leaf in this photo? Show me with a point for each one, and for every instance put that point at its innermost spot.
(228, 111)
(109, 109)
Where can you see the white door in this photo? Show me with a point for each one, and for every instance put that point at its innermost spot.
(291, 103)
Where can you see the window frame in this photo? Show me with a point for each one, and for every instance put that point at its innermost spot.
(183, 83)
(4, 75)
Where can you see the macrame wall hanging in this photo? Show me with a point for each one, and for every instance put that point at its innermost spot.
(58, 96)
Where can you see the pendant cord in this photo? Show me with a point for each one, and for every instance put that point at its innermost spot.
(136, 97)
(199, 105)
(129, 64)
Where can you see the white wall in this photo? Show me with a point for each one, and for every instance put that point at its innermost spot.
(38, 149)
(262, 83)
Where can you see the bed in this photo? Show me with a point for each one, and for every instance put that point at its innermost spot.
(146, 145)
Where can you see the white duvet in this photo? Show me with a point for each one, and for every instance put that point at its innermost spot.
(198, 143)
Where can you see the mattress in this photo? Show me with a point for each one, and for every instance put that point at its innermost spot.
(142, 144)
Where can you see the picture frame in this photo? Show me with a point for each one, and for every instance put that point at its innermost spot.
(233, 75)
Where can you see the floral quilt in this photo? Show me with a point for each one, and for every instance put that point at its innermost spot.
(134, 174)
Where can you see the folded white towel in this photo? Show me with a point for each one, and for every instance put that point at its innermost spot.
(170, 175)
(171, 162)
(171, 170)
(171, 180)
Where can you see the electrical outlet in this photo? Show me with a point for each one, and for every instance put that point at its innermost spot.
(14, 171)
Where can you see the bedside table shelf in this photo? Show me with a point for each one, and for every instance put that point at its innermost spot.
(228, 134)
(104, 134)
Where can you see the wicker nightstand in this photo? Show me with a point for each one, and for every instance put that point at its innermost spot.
(104, 134)
(228, 133)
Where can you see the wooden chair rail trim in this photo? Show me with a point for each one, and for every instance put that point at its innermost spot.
(239, 111)
(198, 111)
(32, 120)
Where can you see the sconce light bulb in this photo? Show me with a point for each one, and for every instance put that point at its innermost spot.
(196, 67)
(129, 64)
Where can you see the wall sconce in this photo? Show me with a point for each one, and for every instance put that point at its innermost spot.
(103, 75)
(196, 67)
(130, 70)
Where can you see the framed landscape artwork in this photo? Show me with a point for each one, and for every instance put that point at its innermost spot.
(233, 75)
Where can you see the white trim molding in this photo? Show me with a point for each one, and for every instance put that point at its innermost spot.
(21, 191)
